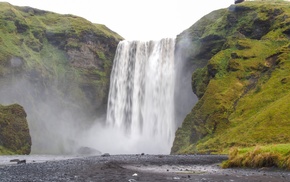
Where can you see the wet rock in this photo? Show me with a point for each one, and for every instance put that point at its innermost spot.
(88, 151)
(117, 168)
(14, 160)
(21, 162)
(106, 155)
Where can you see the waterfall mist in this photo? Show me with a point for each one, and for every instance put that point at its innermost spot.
(54, 121)
(184, 98)
(150, 95)
(146, 85)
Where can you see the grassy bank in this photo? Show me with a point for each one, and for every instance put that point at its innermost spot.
(274, 155)
(4, 151)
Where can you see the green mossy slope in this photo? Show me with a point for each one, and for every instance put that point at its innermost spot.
(65, 51)
(14, 132)
(58, 68)
(244, 87)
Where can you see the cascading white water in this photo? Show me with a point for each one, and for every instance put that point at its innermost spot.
(141, 97)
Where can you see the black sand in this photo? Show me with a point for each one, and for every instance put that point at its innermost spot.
(133, 168)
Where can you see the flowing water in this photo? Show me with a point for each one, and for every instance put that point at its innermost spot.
(141, 97)
(150, 94)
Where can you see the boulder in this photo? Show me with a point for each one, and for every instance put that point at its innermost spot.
(106, 155)
(239, 1)
(14, 131)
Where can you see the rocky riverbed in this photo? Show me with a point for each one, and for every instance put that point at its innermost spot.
(131, 168)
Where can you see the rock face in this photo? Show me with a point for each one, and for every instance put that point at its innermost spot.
(243, 78)
(58, 68)
(14, 132)
(239, 1)
(45, 47)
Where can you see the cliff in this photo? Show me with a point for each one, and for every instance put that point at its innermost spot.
(44, 47)
(14, 132)
(58, 68)
(242, 78)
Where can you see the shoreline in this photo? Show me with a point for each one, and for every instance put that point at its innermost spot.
(139, 168)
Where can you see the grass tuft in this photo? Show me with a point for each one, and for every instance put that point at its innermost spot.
(259, 156)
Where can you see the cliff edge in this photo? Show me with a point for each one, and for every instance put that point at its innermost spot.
(242, 80)
(58, 68)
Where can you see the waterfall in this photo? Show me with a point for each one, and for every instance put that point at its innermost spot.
(141, 97)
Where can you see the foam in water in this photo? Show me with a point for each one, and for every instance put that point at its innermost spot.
(141, 97)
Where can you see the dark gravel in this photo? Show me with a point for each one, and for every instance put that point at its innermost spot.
(133, 168)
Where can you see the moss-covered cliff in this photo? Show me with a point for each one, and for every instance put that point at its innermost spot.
(45, 47)
(57, 67)
(14, 132)
(243, 83)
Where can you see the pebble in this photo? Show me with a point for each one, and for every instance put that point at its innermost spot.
(88, 169)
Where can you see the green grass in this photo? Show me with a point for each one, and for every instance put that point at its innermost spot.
(4, 151)
(255, 117)
(52, 46)
(37, 25)
(14, 131)
(274, 155)
(104, 30)
(244, 88)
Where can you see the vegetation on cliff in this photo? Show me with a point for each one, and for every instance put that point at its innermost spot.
(14, 131)
(57, 67)
(46, 46)
(243, 81)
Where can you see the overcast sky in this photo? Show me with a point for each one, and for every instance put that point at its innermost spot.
(134, 19)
